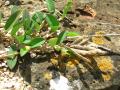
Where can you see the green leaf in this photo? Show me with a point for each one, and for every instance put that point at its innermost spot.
(71, 34)
(14, 9)
(67, 8)
(26, 20)
(16, 27)
(31, 29)
(50, 5)
(36, 42)
(52, 42)
(27, 39)
(12, 20)
(37, 20)
(61, 37)
(24, 50)
(53, 22)
(64, 52)
(20, 39)
(34, 26)
(12, 62)
(13, 47)
(57, 48)
(38, 17)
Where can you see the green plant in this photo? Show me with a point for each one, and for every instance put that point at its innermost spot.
(25, 29)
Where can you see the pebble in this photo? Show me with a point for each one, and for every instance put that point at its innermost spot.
(4, 69)
(11, 75)
(7, 73)
(7, 3)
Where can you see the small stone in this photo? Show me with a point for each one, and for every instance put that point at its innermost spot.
(21, 79)
(33, 55)
(3, 64)
(8, 85)
(5, 69)
(5, 79)
(11, 74)
(1, 78)
(17, 85)
(7, 3)
(7, 73)
(15, 78)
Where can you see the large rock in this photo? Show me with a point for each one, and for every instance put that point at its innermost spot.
(107, 20)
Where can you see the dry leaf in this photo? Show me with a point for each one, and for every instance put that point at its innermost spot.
(89, 10)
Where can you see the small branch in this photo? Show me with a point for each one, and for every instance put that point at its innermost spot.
(75, 40)
(82, 47)
(84, 41)
(90, 52)
(76, 53)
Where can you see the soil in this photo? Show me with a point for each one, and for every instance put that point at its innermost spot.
(107, 20)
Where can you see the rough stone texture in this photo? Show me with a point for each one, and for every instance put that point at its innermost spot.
(38, 71)
(107, 19)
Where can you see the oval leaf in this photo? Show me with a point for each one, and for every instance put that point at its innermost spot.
(52, 42)
(16, 27)
(24, 50)
(20, 39)
(50, 5)
(36, 42)
(61, 37)
(14, 9)
(57, 48)
(67, 8)
(53, 22)
(26, 20)
(12, 20)
(72, 34)
(37, 20)
(12, 62)
(38, 17)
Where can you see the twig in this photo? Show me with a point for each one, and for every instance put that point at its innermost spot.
(84, 41)
(86, 61)
(80, 56)
(82, 47)
(77, 39)
(90, 52)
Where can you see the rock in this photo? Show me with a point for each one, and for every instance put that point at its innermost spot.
(59, 83)
(37, 72)
(107, 20)
(7, 2)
